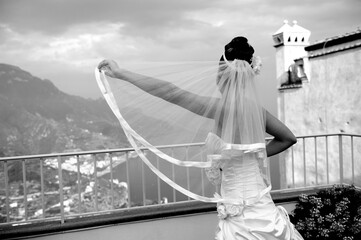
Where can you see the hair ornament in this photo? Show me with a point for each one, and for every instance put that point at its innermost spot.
(256, 64)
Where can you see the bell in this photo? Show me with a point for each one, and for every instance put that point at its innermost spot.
(300, 70)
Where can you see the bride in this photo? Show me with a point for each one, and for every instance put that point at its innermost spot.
(236, 147)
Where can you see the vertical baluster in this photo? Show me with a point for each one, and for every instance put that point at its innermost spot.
(316, 167)
(143, 184)
(79, 183)
(173, 177)
(327, 164)
(188, 176)
(158, 182)
(7, 190)
(95, 182)
(352, 162)
(25, 189)
(111, 179)
(61, 189)
(42, 186)
(202, 174)
(340, 157)
(128, 180)
(304, 162)
(293, 167)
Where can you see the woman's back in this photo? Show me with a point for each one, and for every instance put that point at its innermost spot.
(241, 176)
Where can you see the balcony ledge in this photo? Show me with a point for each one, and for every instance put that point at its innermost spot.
(132, 215)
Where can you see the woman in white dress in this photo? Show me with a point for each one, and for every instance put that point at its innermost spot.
(236, 146)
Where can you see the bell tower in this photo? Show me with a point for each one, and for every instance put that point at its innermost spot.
(291, 59)
(290, 42)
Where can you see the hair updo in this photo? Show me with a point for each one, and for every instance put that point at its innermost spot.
(238, 48)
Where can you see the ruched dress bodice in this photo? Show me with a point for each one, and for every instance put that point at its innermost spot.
(236, 168)
(241, 178)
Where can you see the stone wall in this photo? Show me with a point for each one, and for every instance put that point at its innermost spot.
(330, 102)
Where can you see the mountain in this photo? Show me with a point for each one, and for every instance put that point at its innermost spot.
(37, 118)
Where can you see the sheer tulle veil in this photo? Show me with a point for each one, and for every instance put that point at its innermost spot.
(232, 113)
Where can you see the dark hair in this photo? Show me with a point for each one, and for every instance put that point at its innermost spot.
(238, 48)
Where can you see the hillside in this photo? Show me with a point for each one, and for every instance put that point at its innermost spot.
(36, 118)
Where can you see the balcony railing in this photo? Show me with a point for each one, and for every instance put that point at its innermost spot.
(70, 185)
(323, 159)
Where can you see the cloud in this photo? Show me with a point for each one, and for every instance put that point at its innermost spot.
(54, 17)
(59, 39)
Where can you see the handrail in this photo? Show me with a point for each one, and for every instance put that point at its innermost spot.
(51, 155)
(67, 154)
(329, 135)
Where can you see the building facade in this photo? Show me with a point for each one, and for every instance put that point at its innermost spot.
(319, 93)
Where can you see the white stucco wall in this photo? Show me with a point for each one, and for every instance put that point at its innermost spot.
(329, 103)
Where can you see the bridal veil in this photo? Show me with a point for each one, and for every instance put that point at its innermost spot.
(233, 113)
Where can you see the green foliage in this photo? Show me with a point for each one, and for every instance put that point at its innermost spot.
(334, 213)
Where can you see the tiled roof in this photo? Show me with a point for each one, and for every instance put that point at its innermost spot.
(290, 86)
(326, 52)
(332, 41)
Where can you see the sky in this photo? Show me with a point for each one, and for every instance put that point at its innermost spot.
(63, 40)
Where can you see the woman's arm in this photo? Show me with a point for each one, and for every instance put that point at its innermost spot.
(283, 137)
(161, 89)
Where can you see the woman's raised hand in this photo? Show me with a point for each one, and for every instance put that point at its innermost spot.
(110, 67)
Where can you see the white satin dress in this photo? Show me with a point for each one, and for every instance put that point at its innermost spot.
(239, 176)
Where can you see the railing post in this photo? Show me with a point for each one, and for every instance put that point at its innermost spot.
(25, 189)
(61, 190)
(293, 167)
(173, 177)
(79, 182)
(327, 163)
(304, 162)
(340, 157)
(202, 172)
(42, 186)
(187, 169)
(352, 161)
(158, 183)
(316, 167)
(143, 184)
(128, 179)
(95, 182)
(6, 176)
(111, 178)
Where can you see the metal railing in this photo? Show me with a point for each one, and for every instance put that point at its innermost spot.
(119, 171)
(67, 185)
(323, 159)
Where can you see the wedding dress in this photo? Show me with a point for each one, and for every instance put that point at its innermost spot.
(236, 149)
(239, 177)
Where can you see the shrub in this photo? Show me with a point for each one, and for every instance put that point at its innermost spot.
(333, 213)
